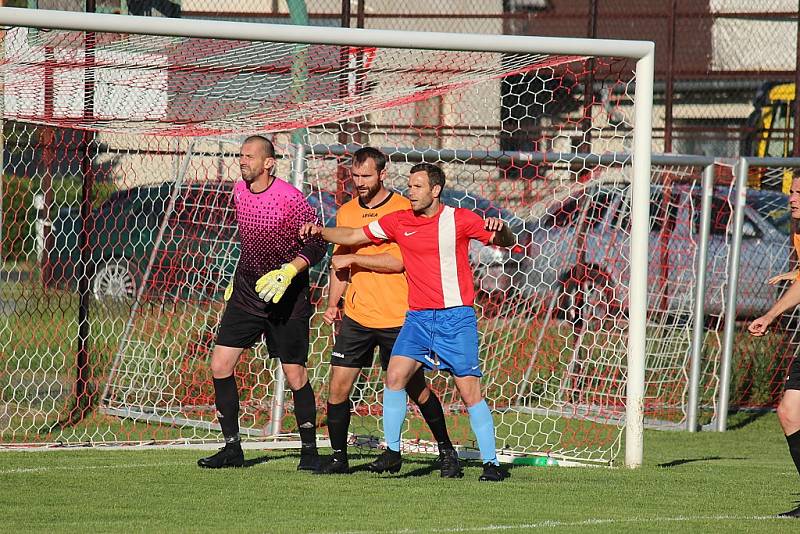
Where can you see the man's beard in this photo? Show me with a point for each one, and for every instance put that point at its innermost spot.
(250, 176)
(370, 193)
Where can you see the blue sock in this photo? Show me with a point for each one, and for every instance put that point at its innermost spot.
(480, 418)
(394, 415)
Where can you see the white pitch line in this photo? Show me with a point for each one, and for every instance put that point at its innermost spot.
(111, 466)
(566, 524)
(84, 468)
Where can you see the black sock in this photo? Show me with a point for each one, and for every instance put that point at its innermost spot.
(794, 449)
(434, 415)
(227, 401)
(338, 424)
(305, 411)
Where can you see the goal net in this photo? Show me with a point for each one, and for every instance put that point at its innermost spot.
(119, 232)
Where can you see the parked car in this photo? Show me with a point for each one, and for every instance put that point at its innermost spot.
(577, 250)
(197, 253)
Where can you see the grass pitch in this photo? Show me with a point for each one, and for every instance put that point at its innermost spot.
(706, 482)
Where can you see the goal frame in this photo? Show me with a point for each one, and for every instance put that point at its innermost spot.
(640, 51)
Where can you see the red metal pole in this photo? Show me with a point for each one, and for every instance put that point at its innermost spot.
(668, 96)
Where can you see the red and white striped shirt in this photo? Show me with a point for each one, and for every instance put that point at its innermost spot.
(435, 253)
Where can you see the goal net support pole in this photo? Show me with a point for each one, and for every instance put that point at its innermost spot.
(509, 46)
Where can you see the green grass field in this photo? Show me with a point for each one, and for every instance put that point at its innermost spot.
(706, 482)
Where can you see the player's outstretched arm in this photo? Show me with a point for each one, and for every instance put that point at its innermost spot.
(791, 275)
(788, 300)
(341, 235)
(380, 263)
(503, 236)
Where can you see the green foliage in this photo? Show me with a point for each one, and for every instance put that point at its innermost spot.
(757, 372)
(19, 215)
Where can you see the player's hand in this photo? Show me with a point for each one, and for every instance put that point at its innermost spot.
(493, 224)
(331, 314)
(791, 275)
(228, 292)
(273, 285)
(341, 261)
(759, 327)
(310, 230)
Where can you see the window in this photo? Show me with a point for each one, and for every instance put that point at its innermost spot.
(663, 210)
(778, 132)
(721, 219)
(530, 103)
(773, 207)
(598, 207)
(563, 214)
(720, 215)
(206, 211)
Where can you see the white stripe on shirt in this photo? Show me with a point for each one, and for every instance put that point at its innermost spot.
(447, 258)
(376, 230)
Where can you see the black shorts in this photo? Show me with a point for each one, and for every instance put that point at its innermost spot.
(286, 338)
(793, 376)
(355, 344)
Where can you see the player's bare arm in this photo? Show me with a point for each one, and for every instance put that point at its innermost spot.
(337, 285)
(788, 300)
(791, 275)
(503, 236)
(339, 235)
(380, 263)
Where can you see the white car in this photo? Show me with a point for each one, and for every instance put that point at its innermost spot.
(576, 250)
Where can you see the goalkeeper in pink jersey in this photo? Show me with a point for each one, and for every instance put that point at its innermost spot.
(440, 331)
(269, 297)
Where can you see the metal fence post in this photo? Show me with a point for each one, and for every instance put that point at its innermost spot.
(278, 400)
(699, 299)
(279, 390)
(730, 300)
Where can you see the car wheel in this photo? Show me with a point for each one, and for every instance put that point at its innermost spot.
(586, 294)
(114, 279)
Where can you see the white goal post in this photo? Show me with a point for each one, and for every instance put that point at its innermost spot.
(512, 55)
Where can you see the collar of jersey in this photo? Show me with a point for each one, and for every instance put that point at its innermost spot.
(381, 203)
(274, 179)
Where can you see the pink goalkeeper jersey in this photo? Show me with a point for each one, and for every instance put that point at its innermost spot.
(435, 253)
(269, 225)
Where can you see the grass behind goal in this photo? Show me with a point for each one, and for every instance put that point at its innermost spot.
(707, 482)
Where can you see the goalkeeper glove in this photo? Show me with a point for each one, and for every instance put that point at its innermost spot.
(228, 292)
(273, 284)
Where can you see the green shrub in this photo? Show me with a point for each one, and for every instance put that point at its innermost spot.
(19, 215)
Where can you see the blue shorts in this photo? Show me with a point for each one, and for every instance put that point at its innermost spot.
(444, 340)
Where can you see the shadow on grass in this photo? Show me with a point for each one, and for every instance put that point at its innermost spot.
(261, 460)
(744, 419)
(676, 463)
(252, 462)
(419, 467)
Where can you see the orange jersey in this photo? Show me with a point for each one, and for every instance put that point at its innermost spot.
(374, 300)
